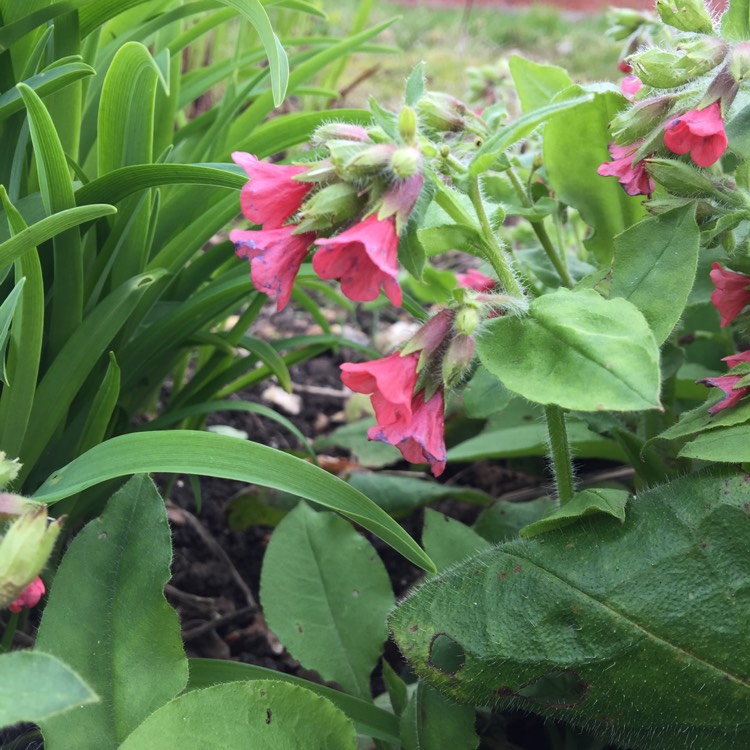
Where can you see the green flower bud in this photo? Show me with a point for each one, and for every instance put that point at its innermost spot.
(24, 551)
(406, 162)
(369, 161)
(739, 62)
(634, 123)
(407, 125)
(667, 69)
(339, 131)
(623, 22)
(329, 206)
(686, 15)
(442, 112)
(457, 359)
(467, 319)
(8, 469)
(683, 179)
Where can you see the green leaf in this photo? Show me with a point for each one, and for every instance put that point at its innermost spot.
(400, 495)
(485, 395)
(536, 84)
(519, 129)
(448, 541)
(607, 501)
(266, 714)
(723, 444)
(102, 408)
(570, 338)
(325, 593)
(505, 519)
(560, 627)
(398, 693)
(108, 619)
(187, 452)
(654, 267)
(368, 720)
(699, 420)
(35, 686)
(575, 144)
(7, 313)
(433, 722)
(441, 239)
(735, 22)
(415, 85)
(47, 228)
(371, 454)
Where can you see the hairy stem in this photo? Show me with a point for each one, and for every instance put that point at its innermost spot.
(562, 464)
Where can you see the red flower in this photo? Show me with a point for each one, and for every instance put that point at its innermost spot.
(700, 132)
(272, 195)
(389, 381)
(732, 292)
(275, 257)
(421, 438)
(624, 67)
(363, 258)
(631, 174)
(475, 280)
(29, 597)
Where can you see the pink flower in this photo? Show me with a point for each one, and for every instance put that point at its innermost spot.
(389, 381)
(727, 383)
(700, 132)
(732, 292)
(631, 174)
(272, 195)
(364, 258)
(421, 438)
(475, 280)
(29, 597)
(735, 359)
(630, 86)
(275, 257)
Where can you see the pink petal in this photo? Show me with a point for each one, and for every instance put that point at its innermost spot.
(29, 597)
(731, 294)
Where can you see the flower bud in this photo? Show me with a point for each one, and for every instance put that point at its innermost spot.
(635, 123)
(407, 125)
(13, 505)
(457, 359)
(339, 131)
(685, 15)
(24, 551)
(624, 22)
(739, 62)
(406, 162)
(682, 179)
(430, 337)
(442, 112)
(364, 162)
(328, 207)
(467, 319)
(322, 171)
(9, 469)
(664, 69)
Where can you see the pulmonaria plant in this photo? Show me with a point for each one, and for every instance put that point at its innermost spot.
(699, 132)
(630, 171)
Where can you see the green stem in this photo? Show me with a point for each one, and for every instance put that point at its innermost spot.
(494, 252)
(10, 633)
(562, 463)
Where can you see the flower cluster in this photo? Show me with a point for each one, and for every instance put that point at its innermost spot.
(349, 206)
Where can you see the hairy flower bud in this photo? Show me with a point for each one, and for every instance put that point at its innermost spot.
(406, 162)
(442, 112)
(328, 207)
(364, 162)
(467, 319)
(665, 69)
(407, 125)
(681, 178)
(739, 62)
(429, 339)
(9, 469)
(635, 123)
(685, 15)
(339, 131)
(457, 359)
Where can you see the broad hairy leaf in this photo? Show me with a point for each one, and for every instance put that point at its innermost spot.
(654, 267)
(35, 686)
(108, 619)
(577, 350)
(204, 453)
(565, 625)
(723, 444)
(239, 715)
(448, 541)
(325, 593)
(536, 84)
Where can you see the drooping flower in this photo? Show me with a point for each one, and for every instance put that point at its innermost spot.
(275, 257)
(475, 280)
(272, 195)
(421, 438)
(363, 258)
(632, 175)
(699, 132)
(390, 383)
(29, 597)
(731, 294)
(728, 383)
(630, 86)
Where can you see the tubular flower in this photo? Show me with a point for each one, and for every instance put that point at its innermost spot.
(699, 132)
(632, 174)
(731, 294)
(272, 195)
(275, 257)
(364, 258)
(29, 597)
(728, 383)
(475, 280)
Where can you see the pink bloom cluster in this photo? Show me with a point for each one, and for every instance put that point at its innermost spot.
(631, 174)
(699, 132)
(732, 292)
(364, 257)
(728, 383)
(29, 597)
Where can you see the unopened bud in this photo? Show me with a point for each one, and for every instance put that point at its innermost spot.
(329, 206)
(467, 319)
(364, 163)
(634, 123)
(682, 179)
(442, 112)
(9, 469)
(406, 162)
(623, 22)
(664, 69)
(685, 15)
(322, 171)
(13, 505)
(457, 359)
(430, 337)
(407, 125)
(24, 551)
(339, 131)
(739, 63)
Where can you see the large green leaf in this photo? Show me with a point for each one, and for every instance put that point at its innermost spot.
(325, 594)
(577, 350)
(536, 84)
(735, 23)
(575, 144)
(208, 454)
(654, 267)
(638, 629)
(108, 619)
(241, 715)
(368, 719)
(448, 541)
(723, 444)
(35, 686)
